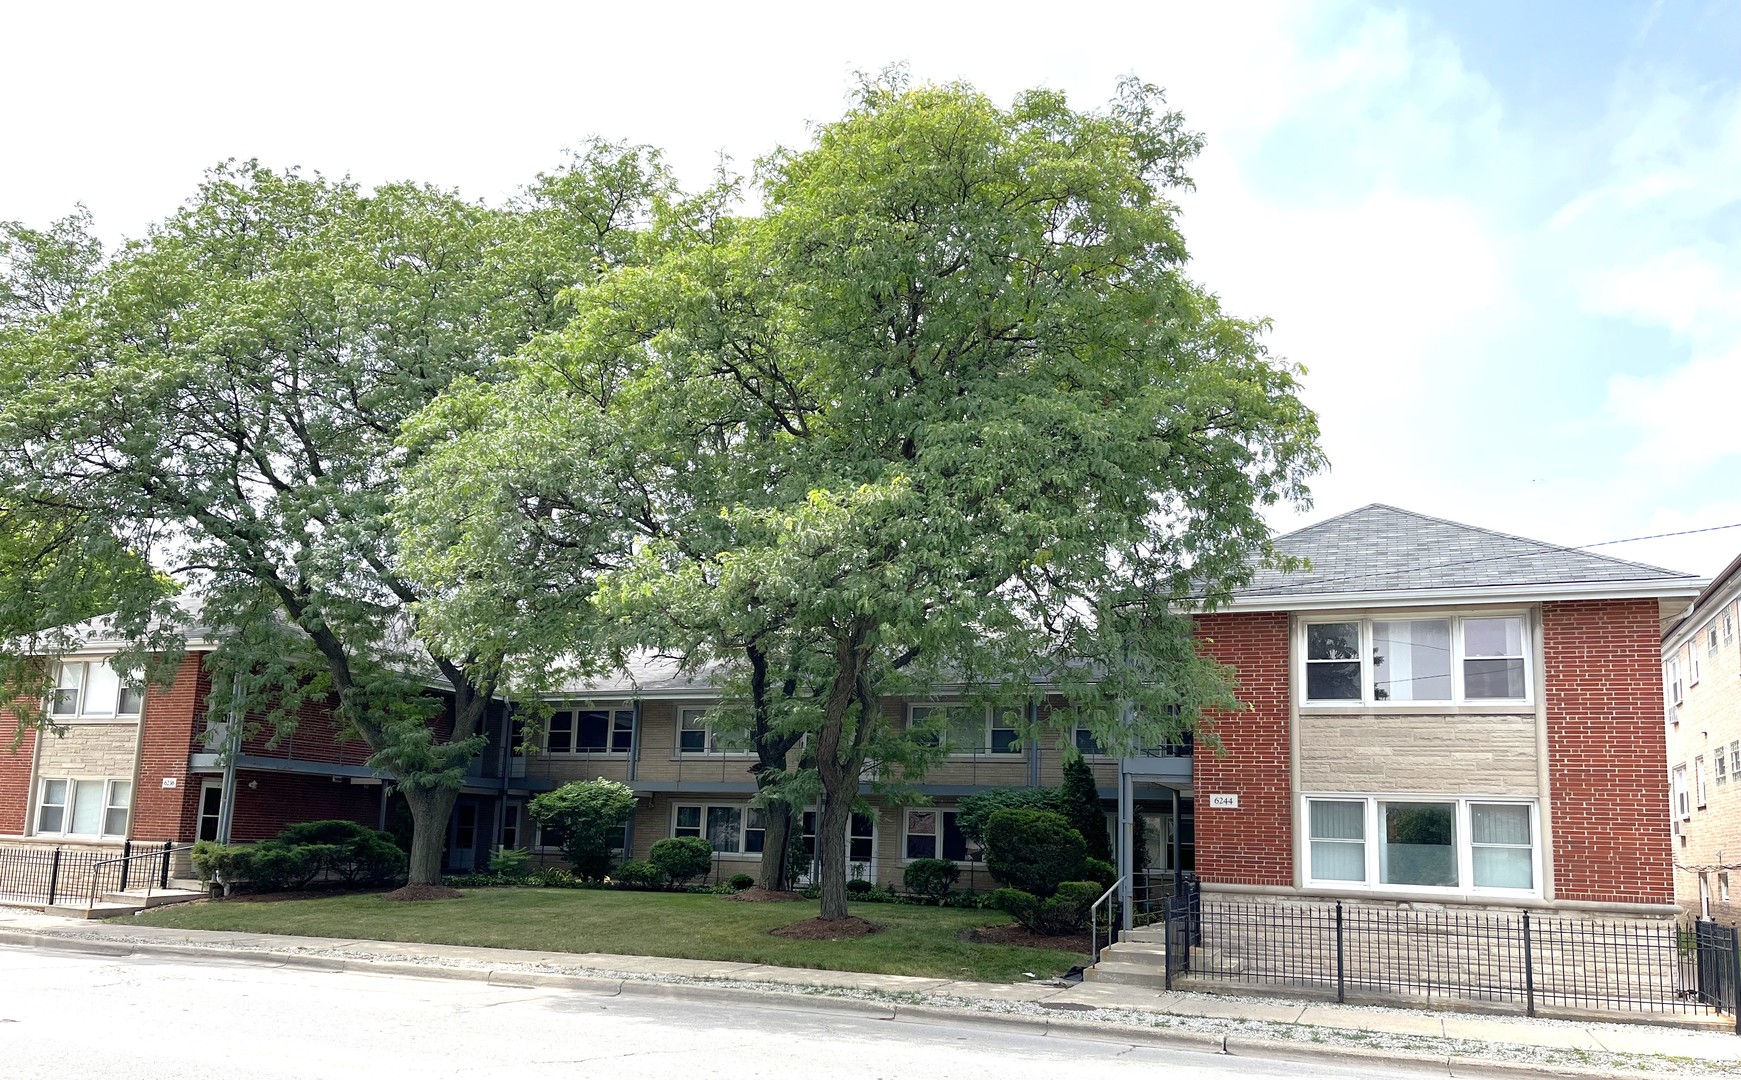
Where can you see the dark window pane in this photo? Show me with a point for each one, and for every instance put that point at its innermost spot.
(692, 742)
(723, 823)
(1004, 740)
(623, 734)
(954, 842)
(1492, 679)
(1333, 641)
(920, 846)
(561, 737)
(1419, 844)
(1086, 743)
(590, 730)
(1339, 681)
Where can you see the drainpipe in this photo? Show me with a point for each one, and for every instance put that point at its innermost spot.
(1033, 744)
(1125, 853)
(232, 750)
(1178, 842)
(635, 743)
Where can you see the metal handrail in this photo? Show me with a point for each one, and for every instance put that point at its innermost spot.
(1094, 924)
(125, 860)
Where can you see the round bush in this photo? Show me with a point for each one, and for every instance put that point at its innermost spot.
(931, 878)
(740, 882)
(639, 874)
(859, 886)
(1032, 850)
(682, 857)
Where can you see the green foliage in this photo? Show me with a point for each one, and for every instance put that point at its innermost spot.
(510, 862)
(639, 874)
(1066, 911)
(351, 852)
(974, 810)
(589, 816)
(860, 887)
(682, 858)
(740, 882)
(1079, 802)
(223, 864)
(931, 878)
(342, 850)
(1100, 871)
(1032, 850)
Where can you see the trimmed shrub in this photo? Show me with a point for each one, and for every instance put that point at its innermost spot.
(510, 862)
(589, 815)
(740, 882)
(931, 878)
(1079, 802)
(974, 811)
(274, 865)
(351, 852)
(1032, 850)
(682, 858)
(222, 864)
(1099, 871)
(859, 886)
(1064, 912)
(639, 874)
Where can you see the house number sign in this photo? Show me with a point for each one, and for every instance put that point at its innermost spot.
(1224, 802)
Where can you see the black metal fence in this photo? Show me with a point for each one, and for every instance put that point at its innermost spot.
(45, 875)
(1532, 961)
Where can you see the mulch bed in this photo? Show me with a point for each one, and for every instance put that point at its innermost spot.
(764, 896)
(423, 892)
(827, 929)
(1016, 934)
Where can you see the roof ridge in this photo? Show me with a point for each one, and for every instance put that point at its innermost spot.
(1542, 544)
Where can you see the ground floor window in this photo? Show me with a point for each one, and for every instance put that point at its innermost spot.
(1422, 843)
(73, 807)
(511, 825)
(861, 837)
(936, 834)
(732, 830)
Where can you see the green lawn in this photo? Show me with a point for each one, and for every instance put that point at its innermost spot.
(915, 941)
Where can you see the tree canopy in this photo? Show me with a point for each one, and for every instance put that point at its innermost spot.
(948, 411)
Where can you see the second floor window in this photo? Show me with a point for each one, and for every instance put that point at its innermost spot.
(91, 688)
(696, 736)
(968, 729)
(590, 731)
(1454, 659)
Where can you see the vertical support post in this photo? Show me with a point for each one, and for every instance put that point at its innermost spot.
(1169, 938)
(163, 874)
(1528, 970)
(1126, 849)
(126, 862)
(1735, 976)
(1341, 962)
(53, 876)
(1177, 859)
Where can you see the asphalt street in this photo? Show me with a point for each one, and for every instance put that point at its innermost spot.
(74, 1015)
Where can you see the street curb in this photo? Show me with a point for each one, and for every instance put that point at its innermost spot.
(797, 999)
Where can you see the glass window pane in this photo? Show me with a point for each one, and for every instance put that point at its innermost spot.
(689, 817)
(1493, 637)
(591, 730)
(1411, 661)
(1333, 641)
(560, 739)
(1419, 844)
(1086, 743)
(87, 807)
(132, 701)
(1492, 679)
(623, 732)
(1333, 681)
(967, 730)
(1005, 741)
(1504, 868)
(1338, 820)
(1497, 823)
(921, 834)
(102, 690)
(1335, 860)
(49, 819)
(68, 679)
(954, 841)
(723, 827)
(54, 791)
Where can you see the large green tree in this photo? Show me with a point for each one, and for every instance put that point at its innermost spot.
(947, 411)
(223, 398)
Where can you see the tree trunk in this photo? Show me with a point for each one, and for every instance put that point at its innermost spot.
(430, 811)
(831, 852)
(772, 874)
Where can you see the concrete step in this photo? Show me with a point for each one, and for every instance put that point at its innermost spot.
(1113, 971)
(188, 884)
(154, 898)
(99, 910)
(1155, 934)
(1136, 952)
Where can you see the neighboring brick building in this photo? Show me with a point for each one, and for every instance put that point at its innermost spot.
(1701, 655)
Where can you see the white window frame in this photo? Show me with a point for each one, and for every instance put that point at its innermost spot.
(971, 856)
(1710, 635)
(1693, 670)
(1018, 747)
(1464, 843)
(711, 747)
(1699, 781)
(1672, 676)
(69, 807)
(574, 709)
(1683, 799)
(1721, 761)
(1459, 697)
(126, 697)
(1728, 625)
(744, 810)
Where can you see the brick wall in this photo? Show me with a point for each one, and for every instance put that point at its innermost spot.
(1607, 761)
(1252, 845)
(167, 728)
(14, 776)
(280, 799)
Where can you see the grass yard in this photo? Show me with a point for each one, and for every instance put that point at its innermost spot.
(915, 941)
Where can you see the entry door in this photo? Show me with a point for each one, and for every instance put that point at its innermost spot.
(861, 847)
(462, 846)
(211, 804)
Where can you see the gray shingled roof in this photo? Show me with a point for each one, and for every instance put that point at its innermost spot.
(1380, 548)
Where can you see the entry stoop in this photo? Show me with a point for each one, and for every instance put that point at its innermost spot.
(1138, 958)
(140, 899)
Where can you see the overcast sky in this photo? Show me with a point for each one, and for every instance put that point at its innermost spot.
(1504, 238)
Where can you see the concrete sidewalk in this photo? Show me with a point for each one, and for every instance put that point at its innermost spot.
(1459, 1043)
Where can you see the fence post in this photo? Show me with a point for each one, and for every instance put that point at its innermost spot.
(163, 878)
(53, 875)
(1341, 967)
(1735, 975)
(126, 863)
(1167, 936)
(1528, 970)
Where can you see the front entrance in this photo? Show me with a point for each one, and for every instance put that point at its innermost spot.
(861, 847)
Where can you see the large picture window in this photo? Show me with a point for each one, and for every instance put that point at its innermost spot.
(590, 731)
(967, 729)
(73, 807)
(1412, 844)
(696, 736)
(1449, 660)
(936, 834)
(92, 689)
(731, 829)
